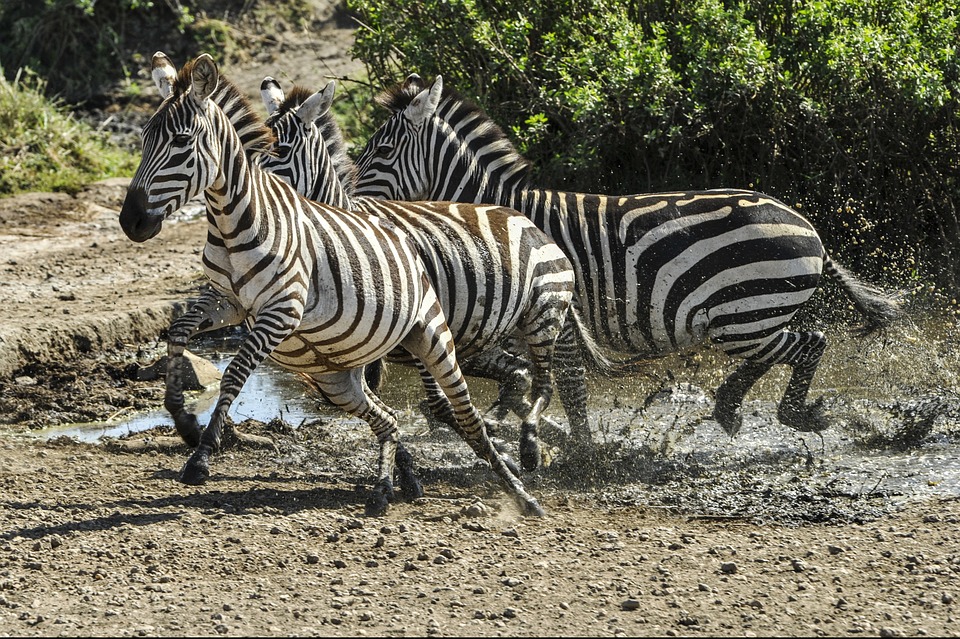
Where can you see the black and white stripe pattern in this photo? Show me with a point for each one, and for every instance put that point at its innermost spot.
(494, 271)
(655, 273)
(323, 290)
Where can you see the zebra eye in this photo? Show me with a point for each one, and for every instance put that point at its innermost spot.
(382, 151)
(181, 139)
(283, 150)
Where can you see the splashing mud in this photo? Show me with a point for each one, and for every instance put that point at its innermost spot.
(892, 400)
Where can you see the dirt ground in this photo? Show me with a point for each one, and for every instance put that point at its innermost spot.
(100, 539)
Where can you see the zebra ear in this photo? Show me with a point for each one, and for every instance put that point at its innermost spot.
(413, 84)
(425, 104)
(206, 76)
(271, 94)
(317, 104)
(163, 72)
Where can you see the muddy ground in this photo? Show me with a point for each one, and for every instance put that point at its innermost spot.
(100, 539)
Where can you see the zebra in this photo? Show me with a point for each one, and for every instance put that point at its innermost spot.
(311, 156)
(322, 290)
(493, 269)
(656, 273)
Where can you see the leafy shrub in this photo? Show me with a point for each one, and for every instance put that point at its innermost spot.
(42, 146)
(848, 108)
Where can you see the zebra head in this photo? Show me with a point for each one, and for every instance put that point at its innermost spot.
(180, 152)
(394, 165)
(301, 156)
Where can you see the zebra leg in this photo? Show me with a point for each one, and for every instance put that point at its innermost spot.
(442, 410)
(730, 394)
(269, 330)
(804, 358)
(406, 473)
(570, 373)
(433, 346)
(345, 389)
(211, 311)
(513, 377)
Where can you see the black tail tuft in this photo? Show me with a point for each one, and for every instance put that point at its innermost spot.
(879, 308)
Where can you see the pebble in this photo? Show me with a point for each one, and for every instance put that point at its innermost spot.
(728, 568)
(630, 604)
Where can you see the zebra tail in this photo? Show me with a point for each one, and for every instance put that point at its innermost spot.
(879, 308)
(599, 360)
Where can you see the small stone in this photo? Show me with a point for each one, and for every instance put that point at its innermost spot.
(510, 613)
(313, 559)
(630, 604)
(834, 550)
(798, 565)
(728, 568)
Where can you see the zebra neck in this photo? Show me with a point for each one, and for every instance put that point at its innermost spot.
(328, 189)
(233, 200)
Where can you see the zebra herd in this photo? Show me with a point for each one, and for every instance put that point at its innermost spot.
(435, 250)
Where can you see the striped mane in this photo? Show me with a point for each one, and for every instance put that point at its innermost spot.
(454, 108)
(254, 135)
(332, 137)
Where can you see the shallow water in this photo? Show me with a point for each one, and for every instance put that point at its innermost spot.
(895, 430)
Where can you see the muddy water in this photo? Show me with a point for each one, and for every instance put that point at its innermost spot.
(895, 432)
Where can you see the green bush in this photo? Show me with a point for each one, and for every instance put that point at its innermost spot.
(42, 146)
(848, 108)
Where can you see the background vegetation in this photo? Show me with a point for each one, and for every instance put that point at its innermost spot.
(845, 108)
(848, 108)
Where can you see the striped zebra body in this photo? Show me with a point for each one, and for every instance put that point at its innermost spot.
(323, 290)
(494, 271)
(656, 273)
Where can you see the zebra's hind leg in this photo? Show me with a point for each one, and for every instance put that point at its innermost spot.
(803, 357)
(347, 390)
(512, 373)
(434, 347)
(406, 473)
(442, 410)
(730, 394)
(569, 370)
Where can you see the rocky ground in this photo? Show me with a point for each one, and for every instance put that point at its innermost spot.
(100, 539)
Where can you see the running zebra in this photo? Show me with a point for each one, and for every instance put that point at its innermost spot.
(323, 290)
(656, 273)
(462, 247)
(494, 271)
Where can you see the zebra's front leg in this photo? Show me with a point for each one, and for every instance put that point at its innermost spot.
(211, 311)
(804, 358)
(269, 330)
(348, 391)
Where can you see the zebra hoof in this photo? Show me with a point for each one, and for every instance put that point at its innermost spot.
(808, 419)
(406, 477)
(531, 508)
(530, 456)
(196, 471)
(730, 420)
(188, 428)
(378, 500)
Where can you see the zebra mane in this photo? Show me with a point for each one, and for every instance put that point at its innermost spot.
(454, 108)
(254, 135)
(332, 137)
